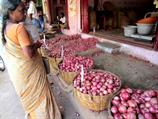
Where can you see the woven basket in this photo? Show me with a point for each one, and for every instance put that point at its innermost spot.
(95, 103)
(68, 77)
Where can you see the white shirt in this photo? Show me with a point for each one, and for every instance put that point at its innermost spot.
(32, 10)
(63, 20)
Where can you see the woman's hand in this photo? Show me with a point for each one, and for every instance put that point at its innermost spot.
(30, 51)
(37, 44)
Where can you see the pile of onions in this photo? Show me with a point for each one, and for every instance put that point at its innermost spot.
(135, 104)
(97, 83)
(73, 64)
(72, 44)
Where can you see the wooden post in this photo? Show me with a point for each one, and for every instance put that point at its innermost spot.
(84, 16)
(49, 6)
(67, 15)
(156, 42)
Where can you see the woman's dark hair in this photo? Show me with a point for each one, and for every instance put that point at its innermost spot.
(5, 7)
(62, 14)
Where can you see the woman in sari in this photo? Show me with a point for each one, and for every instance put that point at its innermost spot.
(24, 64)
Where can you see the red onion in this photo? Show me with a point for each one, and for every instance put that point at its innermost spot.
(105, 92)
(129, 90)
(148, 116)
(140, 116)
(147, 104)
(132, 103)
(109, 91)
(131, 115)
(146, 109)
(117, 116)
(98, 86)
(142, 106)
(116, 98)
(116, 102)
(137, 110)
(152, 109)
(123, 90)
(154, 101)
(122, 109)
(124, 103)
(147, 98)
(114, 109)
(125, 95)
(130, 109)
(125, 115)
(110, 81)
(110, 86)
(150, 93)
(139, 91)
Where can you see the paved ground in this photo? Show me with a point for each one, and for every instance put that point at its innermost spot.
(10, 107)
(133, 73)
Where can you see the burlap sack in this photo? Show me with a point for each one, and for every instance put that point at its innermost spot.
(42, 51)
(53, 64)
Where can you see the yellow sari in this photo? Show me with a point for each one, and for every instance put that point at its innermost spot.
(30, 81)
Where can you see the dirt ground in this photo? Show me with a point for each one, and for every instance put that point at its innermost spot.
(132, 72)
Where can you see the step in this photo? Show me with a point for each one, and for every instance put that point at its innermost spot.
(108, 47)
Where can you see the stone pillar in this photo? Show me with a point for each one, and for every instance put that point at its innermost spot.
(74, 15)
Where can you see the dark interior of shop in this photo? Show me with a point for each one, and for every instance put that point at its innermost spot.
(108, 18)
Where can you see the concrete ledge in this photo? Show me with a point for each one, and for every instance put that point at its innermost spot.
(141, 53)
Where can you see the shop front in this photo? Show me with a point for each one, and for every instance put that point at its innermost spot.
(107, 20)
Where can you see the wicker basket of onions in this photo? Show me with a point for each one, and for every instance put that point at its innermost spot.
(71, 66)
(96, 90)
(134, 104)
